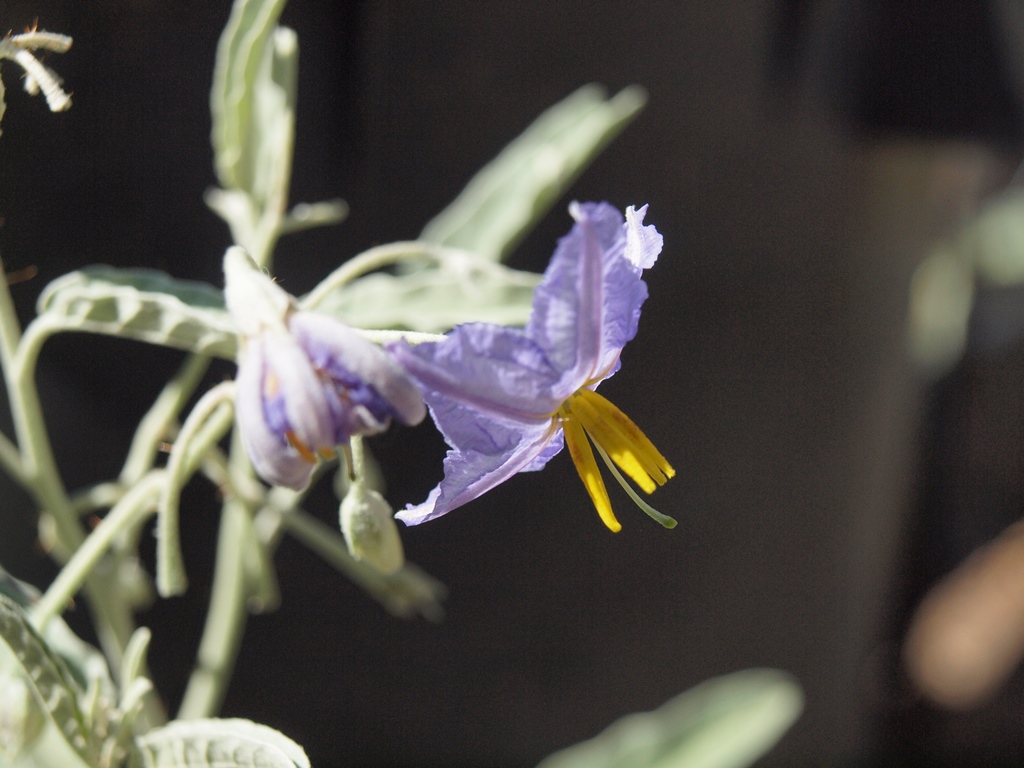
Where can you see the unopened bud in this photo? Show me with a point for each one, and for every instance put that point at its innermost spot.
(370, 530)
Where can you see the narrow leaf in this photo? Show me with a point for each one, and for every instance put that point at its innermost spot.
(215, 743)
(271, 134)
(47, 675)
(500, 204)
(239, 55)
(133, 663)
(20, 592)
(21, 718)
(141, 304)
(307, 215)
(994, 241)
(435, 300)
(727, 722)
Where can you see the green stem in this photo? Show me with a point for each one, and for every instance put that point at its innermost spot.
(406, 593)
(357, 467)
(379, 257)
(99, 496)
(226, 615)
(192, 442)
(10, 337)
(44, 480)
(113, 617)
(136, 504)
(10, 328)
(158, 422)
(10, 460)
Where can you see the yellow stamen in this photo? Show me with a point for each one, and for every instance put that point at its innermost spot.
(603, 433)
(665, 520)
(301, 447)
(622, 439)
(583, 458)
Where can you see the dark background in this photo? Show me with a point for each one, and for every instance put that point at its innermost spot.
(799, 158)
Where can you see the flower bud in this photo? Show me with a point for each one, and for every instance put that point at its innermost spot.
(370, 530)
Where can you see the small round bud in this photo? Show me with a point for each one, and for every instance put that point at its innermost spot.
(370, 530)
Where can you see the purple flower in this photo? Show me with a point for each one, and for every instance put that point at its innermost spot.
(306, 382)
(506, 399)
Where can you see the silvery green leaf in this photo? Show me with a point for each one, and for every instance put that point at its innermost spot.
(84, 662)
(19, 591)
(47, 750)
(994, 241)
(133, 663)
(939, 306)
(240, 53)
(141, 304)
(307, 215)
(727, 722)
(216, 743)
(21, 717)
(500, 204)
(272, 132)
(48, 676)
(435, 300)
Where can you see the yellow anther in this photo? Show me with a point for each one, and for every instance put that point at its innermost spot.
(583, 458)
(627, 445)
(303, 449)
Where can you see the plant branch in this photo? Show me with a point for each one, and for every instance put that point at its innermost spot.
(159, 420)
(136, 504)
(226, 615)
(382, 256)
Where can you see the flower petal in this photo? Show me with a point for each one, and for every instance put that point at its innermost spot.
(494, 392)
(567, 313)
(547, 454)
(469, 474)
(492, 369)
(466, 429)
(349, 357)
(588, 304)
(301, 392)
(643, 243)
(274, 460)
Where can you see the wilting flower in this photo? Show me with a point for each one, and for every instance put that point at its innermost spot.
(505, 399)
(306, 382)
